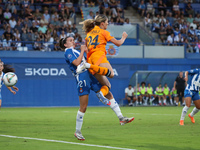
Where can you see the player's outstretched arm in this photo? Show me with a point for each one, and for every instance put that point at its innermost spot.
(77, 61)
(10, 89)
(121, 41)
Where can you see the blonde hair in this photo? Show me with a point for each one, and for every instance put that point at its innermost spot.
(89, 24)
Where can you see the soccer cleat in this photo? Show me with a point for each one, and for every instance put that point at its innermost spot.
(80, 68)
(164, 104)
(192, 118)
(126, 120)
(102, 98)
(79, 135)
(181, 122)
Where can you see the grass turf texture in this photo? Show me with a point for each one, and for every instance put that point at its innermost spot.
(154, 128)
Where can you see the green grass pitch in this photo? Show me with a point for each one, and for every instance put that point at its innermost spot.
(154, 128)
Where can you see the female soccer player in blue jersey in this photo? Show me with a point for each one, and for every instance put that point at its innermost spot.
(191, 93)
(85, 83)
(6, 69)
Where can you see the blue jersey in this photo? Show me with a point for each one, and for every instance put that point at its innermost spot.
(70, 55)
(1, 82)
(85, 81)
(194, 82)
(192, 89)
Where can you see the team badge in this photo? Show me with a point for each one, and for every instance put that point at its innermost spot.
(69, 56)
(81, 90)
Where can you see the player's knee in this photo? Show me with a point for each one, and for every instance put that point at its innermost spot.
(83, 109)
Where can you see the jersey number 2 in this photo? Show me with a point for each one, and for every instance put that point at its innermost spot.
(93, 41)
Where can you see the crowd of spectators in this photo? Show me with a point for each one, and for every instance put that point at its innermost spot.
(176, 22)
(39, 24)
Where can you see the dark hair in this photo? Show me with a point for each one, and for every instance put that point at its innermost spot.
(7, 68)
(63, 41)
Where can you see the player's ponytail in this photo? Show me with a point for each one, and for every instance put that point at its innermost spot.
(7, 68)
(62, 42)
(88, 25)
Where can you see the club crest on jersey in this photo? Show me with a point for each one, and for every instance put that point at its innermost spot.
(69, 56)
(81, 90)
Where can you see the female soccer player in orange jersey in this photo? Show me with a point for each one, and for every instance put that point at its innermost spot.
(97, 38)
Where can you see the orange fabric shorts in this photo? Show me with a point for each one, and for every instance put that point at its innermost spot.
(97, 58)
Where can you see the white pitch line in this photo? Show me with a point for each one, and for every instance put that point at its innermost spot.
(74, 143)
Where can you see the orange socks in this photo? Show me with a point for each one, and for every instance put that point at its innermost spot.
(104, 90)
(100, 70)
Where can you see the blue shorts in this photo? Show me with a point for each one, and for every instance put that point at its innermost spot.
(0, 95)
(193, 94)
(86, 82)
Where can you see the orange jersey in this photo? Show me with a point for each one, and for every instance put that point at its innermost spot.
(97, 39)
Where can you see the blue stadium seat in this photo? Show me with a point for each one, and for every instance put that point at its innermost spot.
(1, 32)
(17, 7)
(51, 47)
(30, 46)
(32, 7)
(181, 5)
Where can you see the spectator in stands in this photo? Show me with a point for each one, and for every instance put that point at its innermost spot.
(13, 44)
(111, 22)
(197, 32)
(197, 19)
(189, 10)
(62, 14)
(36, 21)
(11, 7)
(67, 22)
(170, 40)
(25, 4)
(162, 34)
(15, 15)
(18, 44)
(162, 18)
(34, 28)
(156, 26)
(166, 94)
(43, 21)
(129, 95)
(55, 23)
(193, 24)
(162, 7)
(143, 93)
(38, 14)
(46, 15)
(191, 31)
(54, 34)
(53, 15)
(159, 93)
(8, 34)
(42, 28)
(155, 18)
(17, 34)
(127, 21)
(45, 45)
(37, 45)
(1, 17)
(56, 45)
(178, 39)
(28, 22)
(169, 30)
(119, 7)
(7, 44)
(24, 36)
(12, 22)
(105, 7)
(119, 19)
(150, 8)
(170, 18)
(197, 47)
(90, 15)
(113, 7)
(148, 21)
(22, 14)
(176, 31)
(141, 8)
(189, 48)
(70, 33)
(69, 8)
(190, 19)
(28, 14)
(74, 29)
(62, 35)
(176, 9)
(7, 15)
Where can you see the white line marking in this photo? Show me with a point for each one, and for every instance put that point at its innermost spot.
(74, 143)
(155, 114)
